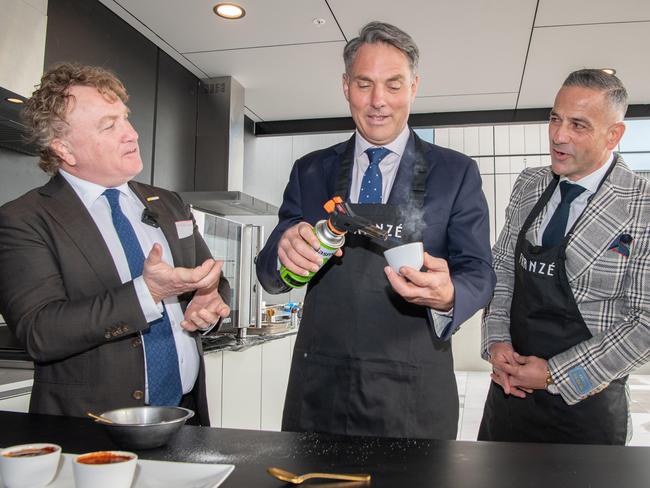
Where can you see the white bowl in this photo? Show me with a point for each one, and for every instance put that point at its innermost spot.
(411, 255)
(29, 471)
(105, 474)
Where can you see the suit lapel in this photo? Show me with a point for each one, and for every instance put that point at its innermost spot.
(606, 217)
(73, 218)
(164, 219)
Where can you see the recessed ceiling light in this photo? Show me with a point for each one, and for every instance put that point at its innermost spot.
(319, 22)
(230, 11)
(609, 71)
(17, 101)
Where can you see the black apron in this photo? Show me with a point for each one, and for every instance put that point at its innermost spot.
(366, 362)
(545, 321)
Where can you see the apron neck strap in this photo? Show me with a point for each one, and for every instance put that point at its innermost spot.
(413, 159)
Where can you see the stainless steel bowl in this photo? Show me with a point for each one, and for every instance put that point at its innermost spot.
(144, 427)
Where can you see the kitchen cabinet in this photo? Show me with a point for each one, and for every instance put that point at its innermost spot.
(246, 388)
(15, 389)
(276, 362)
(242, 389)
(18, 403)
(213, 382)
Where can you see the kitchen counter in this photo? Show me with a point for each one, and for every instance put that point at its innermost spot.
(392, 462)
(228, 342)
(11, 352)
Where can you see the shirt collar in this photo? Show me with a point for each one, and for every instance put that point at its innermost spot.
(592, 180)
(88, 191)
(396, 146)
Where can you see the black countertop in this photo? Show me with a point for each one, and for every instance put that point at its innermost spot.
(391, 462)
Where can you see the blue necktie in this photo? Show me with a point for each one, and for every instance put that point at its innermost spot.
(163, 376)
(371, 183)
(556, 228)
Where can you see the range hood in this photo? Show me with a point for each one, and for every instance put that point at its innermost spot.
(13, 132)
(228, 203)
(219, 169)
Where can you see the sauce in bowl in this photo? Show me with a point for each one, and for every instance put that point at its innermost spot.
(103, 457)
(31, 452)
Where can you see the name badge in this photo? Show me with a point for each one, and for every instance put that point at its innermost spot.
(184, 228)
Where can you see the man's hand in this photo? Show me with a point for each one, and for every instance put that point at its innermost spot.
(205, 309)
(297, 249)
(528, 372)
(432, 288)
(164, 281)
(502, 357)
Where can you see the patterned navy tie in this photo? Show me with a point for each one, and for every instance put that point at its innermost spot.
(372, 182)
(163, 376)
(556, 228)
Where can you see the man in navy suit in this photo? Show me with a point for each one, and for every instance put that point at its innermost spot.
(373, 354)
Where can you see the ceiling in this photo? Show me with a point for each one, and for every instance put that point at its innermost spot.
(474, 54)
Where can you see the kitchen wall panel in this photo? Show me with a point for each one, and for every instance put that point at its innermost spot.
(18, 174)
(175, 127)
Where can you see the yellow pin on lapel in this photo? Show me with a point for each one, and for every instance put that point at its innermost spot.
(151, 199)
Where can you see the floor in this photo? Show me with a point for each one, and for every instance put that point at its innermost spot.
(473, 388)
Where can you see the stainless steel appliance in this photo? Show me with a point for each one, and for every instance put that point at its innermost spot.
(236, 244)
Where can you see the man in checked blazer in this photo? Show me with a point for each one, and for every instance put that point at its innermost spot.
(67, 285)
(569, 319)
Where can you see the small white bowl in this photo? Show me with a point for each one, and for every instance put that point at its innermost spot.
(411, 255)
(25, 470)
(105, 474)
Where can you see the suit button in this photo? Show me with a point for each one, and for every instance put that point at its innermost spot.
(137, 342)
(138, 394)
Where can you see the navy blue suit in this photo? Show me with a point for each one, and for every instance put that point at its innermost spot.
(455, 214)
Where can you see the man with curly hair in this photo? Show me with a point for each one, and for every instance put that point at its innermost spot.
(104, 280)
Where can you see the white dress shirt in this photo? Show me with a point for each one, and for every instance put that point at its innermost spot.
(388, 167)
(589, 182)
(100, 211)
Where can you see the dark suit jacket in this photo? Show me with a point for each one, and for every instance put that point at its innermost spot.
(455, 214)
(61, 295)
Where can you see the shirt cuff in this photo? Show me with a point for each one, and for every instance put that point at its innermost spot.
(441, 320)
(152, 311)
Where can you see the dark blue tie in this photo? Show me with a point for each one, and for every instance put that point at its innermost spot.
(371, 183)
(163, 376)
(556, 227)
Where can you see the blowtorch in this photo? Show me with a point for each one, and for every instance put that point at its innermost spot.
(331, 235)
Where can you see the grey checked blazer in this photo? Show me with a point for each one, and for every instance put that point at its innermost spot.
(612, 290)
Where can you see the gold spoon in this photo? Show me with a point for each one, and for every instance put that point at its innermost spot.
(99, 418)
(289, 477)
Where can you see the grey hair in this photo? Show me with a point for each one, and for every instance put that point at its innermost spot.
(374, 32)
(597, 79)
